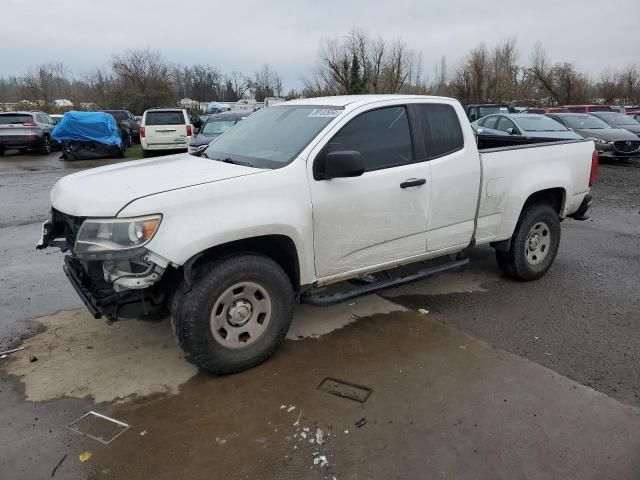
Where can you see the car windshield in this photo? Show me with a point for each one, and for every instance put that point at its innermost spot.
(118, 115)
(532, 123)
(585, 121)
(484, 111)
(216, 127)
(617, 119)
(9, 118)
(272, 137)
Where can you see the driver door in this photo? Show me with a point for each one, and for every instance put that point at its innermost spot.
(380, 216)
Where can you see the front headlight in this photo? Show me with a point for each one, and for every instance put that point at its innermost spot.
(600, 140)
(115, 234)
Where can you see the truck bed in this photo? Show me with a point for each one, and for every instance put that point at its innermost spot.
(560, 166)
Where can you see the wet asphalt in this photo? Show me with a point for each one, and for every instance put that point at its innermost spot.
(498, 380)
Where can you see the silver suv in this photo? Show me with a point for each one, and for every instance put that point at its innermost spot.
(26, 130)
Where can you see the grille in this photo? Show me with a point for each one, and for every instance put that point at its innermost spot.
(627, 146)
(67, 226)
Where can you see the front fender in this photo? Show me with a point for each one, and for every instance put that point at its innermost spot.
(197, 218)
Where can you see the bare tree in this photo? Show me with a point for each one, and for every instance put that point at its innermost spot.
(143, 79)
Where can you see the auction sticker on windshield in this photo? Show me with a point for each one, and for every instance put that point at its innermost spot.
(324, 112)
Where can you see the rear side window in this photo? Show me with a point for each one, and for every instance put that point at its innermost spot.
(490, 122)
(8, 118)
(164, 118)
(382, 137)
(441, 129)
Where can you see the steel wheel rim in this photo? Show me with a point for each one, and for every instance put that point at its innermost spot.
(538, 243)
(240, 315)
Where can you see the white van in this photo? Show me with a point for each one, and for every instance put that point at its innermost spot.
(165, 129)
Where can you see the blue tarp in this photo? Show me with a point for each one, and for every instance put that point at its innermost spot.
(88, 126)
(215, 107)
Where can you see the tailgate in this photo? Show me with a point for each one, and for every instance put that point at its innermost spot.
(166, 134)
(165, 127)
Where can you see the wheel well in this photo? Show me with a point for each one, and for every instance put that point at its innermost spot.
(280, 248)
(551, 196)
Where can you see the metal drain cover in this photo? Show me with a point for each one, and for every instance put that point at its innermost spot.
(340, 388)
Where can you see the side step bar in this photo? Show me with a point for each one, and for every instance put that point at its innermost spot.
(316, 297)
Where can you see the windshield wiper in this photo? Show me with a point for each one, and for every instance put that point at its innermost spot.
(233, 161)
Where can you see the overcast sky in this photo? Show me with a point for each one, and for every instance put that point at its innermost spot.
(243, 35)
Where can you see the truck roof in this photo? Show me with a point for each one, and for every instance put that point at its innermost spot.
(358, 100)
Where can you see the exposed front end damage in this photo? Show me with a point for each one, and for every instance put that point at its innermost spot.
(115, 285)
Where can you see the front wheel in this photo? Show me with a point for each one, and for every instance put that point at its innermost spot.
(235, 315)
(534, 244)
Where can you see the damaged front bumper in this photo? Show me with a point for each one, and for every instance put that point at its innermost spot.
(126, 296)
(125, 284)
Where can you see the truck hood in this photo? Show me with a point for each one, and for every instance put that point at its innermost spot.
(104, 191)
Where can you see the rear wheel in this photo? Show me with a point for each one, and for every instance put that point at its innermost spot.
(235, 315)
(534, 244)
(45, 148)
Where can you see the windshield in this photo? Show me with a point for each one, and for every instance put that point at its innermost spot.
(585, 121)
(540, 124)
(272, 137)
(216, 127)
(118, 115)
(484, 111)
(617, 119)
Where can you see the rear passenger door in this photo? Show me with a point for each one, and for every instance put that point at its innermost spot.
(381, 216)
(455, 175)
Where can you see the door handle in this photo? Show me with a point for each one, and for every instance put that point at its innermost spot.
(413, 182)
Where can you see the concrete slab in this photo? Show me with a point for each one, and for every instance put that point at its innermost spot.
(445, 405)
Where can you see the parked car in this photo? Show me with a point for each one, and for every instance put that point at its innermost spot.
(26, 131)
(619, 120)
(610, 142)
(215, 126)
(165, 130)
(478, 110)
(129, 127)
(301, 195)
(88, 136)
(529, 125)
(587, 108)
(543, 110)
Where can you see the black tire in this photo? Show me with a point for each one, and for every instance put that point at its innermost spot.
(2, 151)
(127, 141)
(45, 147)
(221, 351)
(534, 244)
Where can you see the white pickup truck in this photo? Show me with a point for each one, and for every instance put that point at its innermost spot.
(297, 203)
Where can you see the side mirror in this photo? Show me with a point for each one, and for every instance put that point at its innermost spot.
(512, 131)
(339, 164)
(199, 150)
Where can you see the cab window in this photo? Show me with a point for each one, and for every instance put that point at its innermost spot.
(382, 137)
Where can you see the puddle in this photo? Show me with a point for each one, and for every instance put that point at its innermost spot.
(313, 322)
(79, 356)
